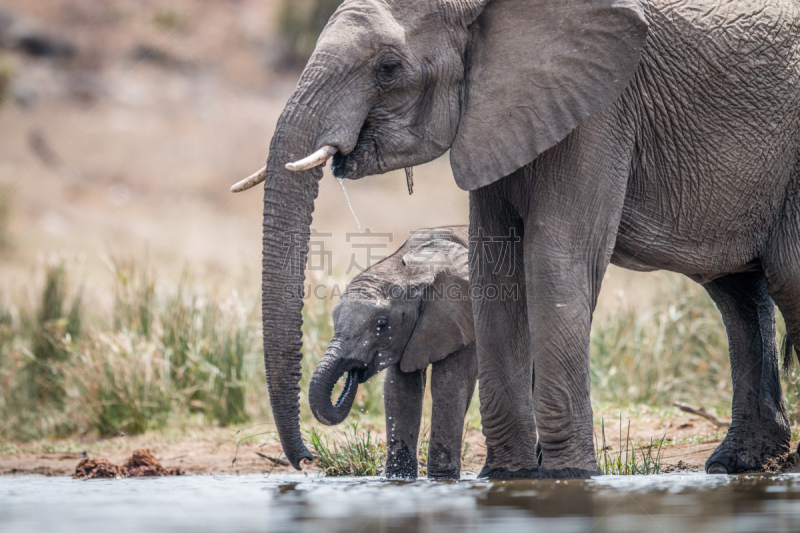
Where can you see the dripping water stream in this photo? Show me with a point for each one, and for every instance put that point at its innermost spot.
(341, 182)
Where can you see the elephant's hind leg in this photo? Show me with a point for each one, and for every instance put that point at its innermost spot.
(760, 426)
(782, 266)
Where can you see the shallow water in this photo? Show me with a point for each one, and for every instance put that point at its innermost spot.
(299, 503)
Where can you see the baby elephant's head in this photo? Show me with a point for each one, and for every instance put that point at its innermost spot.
(411, 309)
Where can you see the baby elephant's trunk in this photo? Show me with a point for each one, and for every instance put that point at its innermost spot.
(327, 373)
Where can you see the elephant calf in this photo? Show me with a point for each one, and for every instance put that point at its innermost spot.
(404, 313)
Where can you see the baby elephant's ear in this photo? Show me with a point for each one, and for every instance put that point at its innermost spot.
(535, 70)
(445, 319)
(444, 325)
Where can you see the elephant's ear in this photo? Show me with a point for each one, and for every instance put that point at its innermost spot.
(535, 70)
(445, 319)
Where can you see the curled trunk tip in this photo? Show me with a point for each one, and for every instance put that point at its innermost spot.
(320, 390)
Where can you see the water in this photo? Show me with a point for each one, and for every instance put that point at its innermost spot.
(666, 503)
(341, 182)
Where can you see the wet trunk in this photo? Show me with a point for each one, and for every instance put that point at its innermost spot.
(327, 373)
(288, 205)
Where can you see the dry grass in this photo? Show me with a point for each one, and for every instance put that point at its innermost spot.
(675, 351)
(163, 355)
(159, 354)
(168, 353)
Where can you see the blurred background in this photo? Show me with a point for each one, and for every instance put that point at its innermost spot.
(123, 253)
(131, 275)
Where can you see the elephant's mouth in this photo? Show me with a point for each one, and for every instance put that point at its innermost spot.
(352, 380)
(364, 159)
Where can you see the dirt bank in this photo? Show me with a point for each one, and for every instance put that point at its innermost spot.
(690, 441)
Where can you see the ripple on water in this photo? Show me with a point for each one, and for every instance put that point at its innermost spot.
(673, 502)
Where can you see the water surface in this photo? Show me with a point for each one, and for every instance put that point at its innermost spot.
(666, 503)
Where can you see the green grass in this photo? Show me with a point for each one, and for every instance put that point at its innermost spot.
(353, 452)
(675, 351)
(36, 342)
(626, 461)
(162, 354)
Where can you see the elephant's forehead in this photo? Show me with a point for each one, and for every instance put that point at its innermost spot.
(353, 307)
(361, 26)
(353, 314)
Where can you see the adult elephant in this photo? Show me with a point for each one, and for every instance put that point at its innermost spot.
(650, 133)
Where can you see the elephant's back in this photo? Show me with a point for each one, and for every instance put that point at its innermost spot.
(740, 27)
(717, 103)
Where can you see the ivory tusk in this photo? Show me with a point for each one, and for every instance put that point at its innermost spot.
(314, 160)
(250, 181)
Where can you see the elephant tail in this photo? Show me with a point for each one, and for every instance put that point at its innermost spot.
(787, 349)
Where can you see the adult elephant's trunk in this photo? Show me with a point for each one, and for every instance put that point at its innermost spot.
(327, 373)
(288, 205)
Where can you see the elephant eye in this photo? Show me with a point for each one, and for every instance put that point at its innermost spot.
(381, 324)
(388, 70)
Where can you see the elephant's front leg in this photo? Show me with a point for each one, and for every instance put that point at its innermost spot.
(571, 203)
(403, 393)
(562, 299)
(505, 365)
(570, 235)
(452, 384)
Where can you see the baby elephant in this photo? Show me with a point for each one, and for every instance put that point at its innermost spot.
(404, 313)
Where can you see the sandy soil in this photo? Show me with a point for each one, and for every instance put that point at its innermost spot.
(212, 451)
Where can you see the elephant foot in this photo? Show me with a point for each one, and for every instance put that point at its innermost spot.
(494, 472)
(443, 461)
(443, 474)
(401, 464)
(569, 473)
(497, 472)
(746, 451)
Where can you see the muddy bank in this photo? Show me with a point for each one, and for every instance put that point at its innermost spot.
(213, 450)
(208, 451)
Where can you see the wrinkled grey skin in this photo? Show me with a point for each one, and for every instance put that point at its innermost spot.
(403, 314)
(654, 134)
